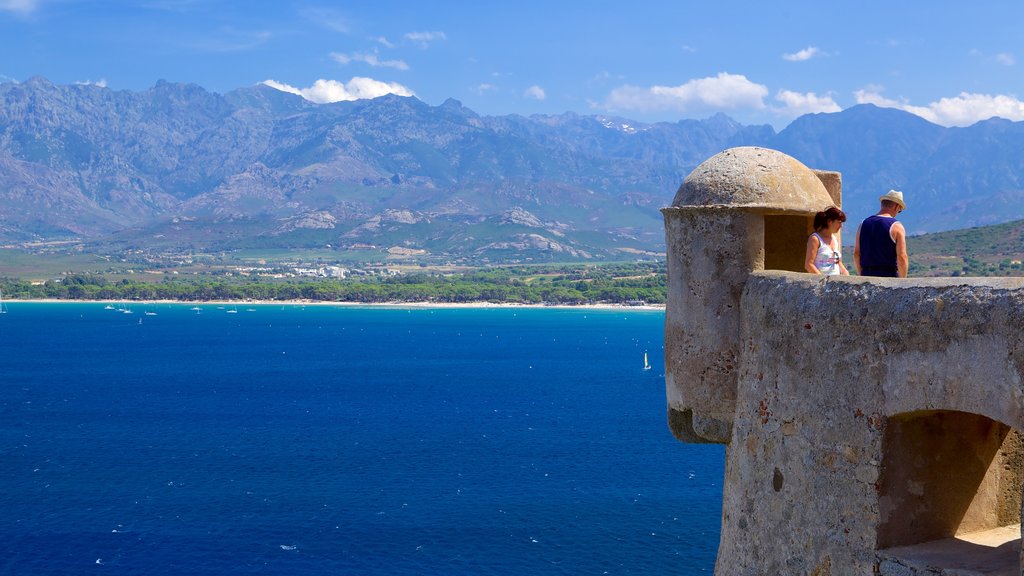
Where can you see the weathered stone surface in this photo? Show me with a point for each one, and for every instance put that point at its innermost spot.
(701, 345)
(865, 418)
(832, 355)
(754, 178)
(716, 234)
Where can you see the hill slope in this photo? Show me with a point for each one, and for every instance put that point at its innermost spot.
(178, 168)
(982, 251)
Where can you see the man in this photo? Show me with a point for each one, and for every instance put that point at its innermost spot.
(881, 246)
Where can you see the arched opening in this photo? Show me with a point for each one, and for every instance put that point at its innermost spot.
(785, 241)
(950, 493)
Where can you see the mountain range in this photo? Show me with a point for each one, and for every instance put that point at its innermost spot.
(179, 168)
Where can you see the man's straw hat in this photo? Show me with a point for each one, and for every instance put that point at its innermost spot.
(894, 196)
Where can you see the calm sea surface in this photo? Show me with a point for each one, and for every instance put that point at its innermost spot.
(344, 440)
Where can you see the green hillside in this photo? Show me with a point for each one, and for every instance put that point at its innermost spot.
(984, 251)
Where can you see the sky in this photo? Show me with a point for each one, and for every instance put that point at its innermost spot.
(952, 63)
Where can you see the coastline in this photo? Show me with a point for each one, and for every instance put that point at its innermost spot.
(602, 306)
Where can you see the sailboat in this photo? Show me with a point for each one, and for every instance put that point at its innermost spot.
(647, 366)
(3, 307)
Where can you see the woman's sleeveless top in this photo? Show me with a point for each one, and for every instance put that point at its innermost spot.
(828, 257)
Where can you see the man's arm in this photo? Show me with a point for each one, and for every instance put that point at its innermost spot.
(856, 251)
(899, 236)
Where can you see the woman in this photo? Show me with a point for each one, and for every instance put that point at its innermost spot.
(823, 252)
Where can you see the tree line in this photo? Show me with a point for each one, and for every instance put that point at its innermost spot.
(618, 284)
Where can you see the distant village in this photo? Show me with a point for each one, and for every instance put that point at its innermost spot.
(137, 261)
(336, 272)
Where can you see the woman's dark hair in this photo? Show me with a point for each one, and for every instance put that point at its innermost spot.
(821, 219)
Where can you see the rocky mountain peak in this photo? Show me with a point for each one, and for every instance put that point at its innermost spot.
(87, 162)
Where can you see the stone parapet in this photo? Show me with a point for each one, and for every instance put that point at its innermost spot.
(870, 413)
(873, 426)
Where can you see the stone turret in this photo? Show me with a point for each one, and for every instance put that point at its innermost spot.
(742, 210)
(873, 425)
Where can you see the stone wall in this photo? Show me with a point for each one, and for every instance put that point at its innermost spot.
(840, 382)
(702, 345)
(867, 421)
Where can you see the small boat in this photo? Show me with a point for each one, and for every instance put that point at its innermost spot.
(3, 307)
(149, 313)
(234, 310)
(108, 307)
(647, 365)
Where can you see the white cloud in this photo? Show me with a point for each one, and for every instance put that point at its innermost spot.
(330, 19)
(425, 38)
(19, 6)
(358, 88)
(605, 77)
(961, 110)
(873, 95)
(482, 88)
(370, 59)
(535, 92)
(1004, 58)
(102, 83)
(966, 109)
(383, 41)
(796, 104)
(805, 54)
(723, 92)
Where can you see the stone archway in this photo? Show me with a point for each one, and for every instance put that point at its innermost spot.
(950, 493)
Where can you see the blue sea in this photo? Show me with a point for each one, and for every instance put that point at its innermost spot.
(345, 440)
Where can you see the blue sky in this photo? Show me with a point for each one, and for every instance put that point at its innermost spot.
(953, 63)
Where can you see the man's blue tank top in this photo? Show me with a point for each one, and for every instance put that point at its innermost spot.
(877, 249)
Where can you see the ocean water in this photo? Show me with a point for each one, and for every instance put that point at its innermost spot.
(345, 440)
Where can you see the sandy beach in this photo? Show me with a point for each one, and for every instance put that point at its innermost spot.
(605, 306)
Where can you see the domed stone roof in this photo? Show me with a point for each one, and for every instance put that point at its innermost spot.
(757, 178)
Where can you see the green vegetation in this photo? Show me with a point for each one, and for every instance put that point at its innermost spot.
(271, 275)
(21, 263)
(559, 284)
(985, 251)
